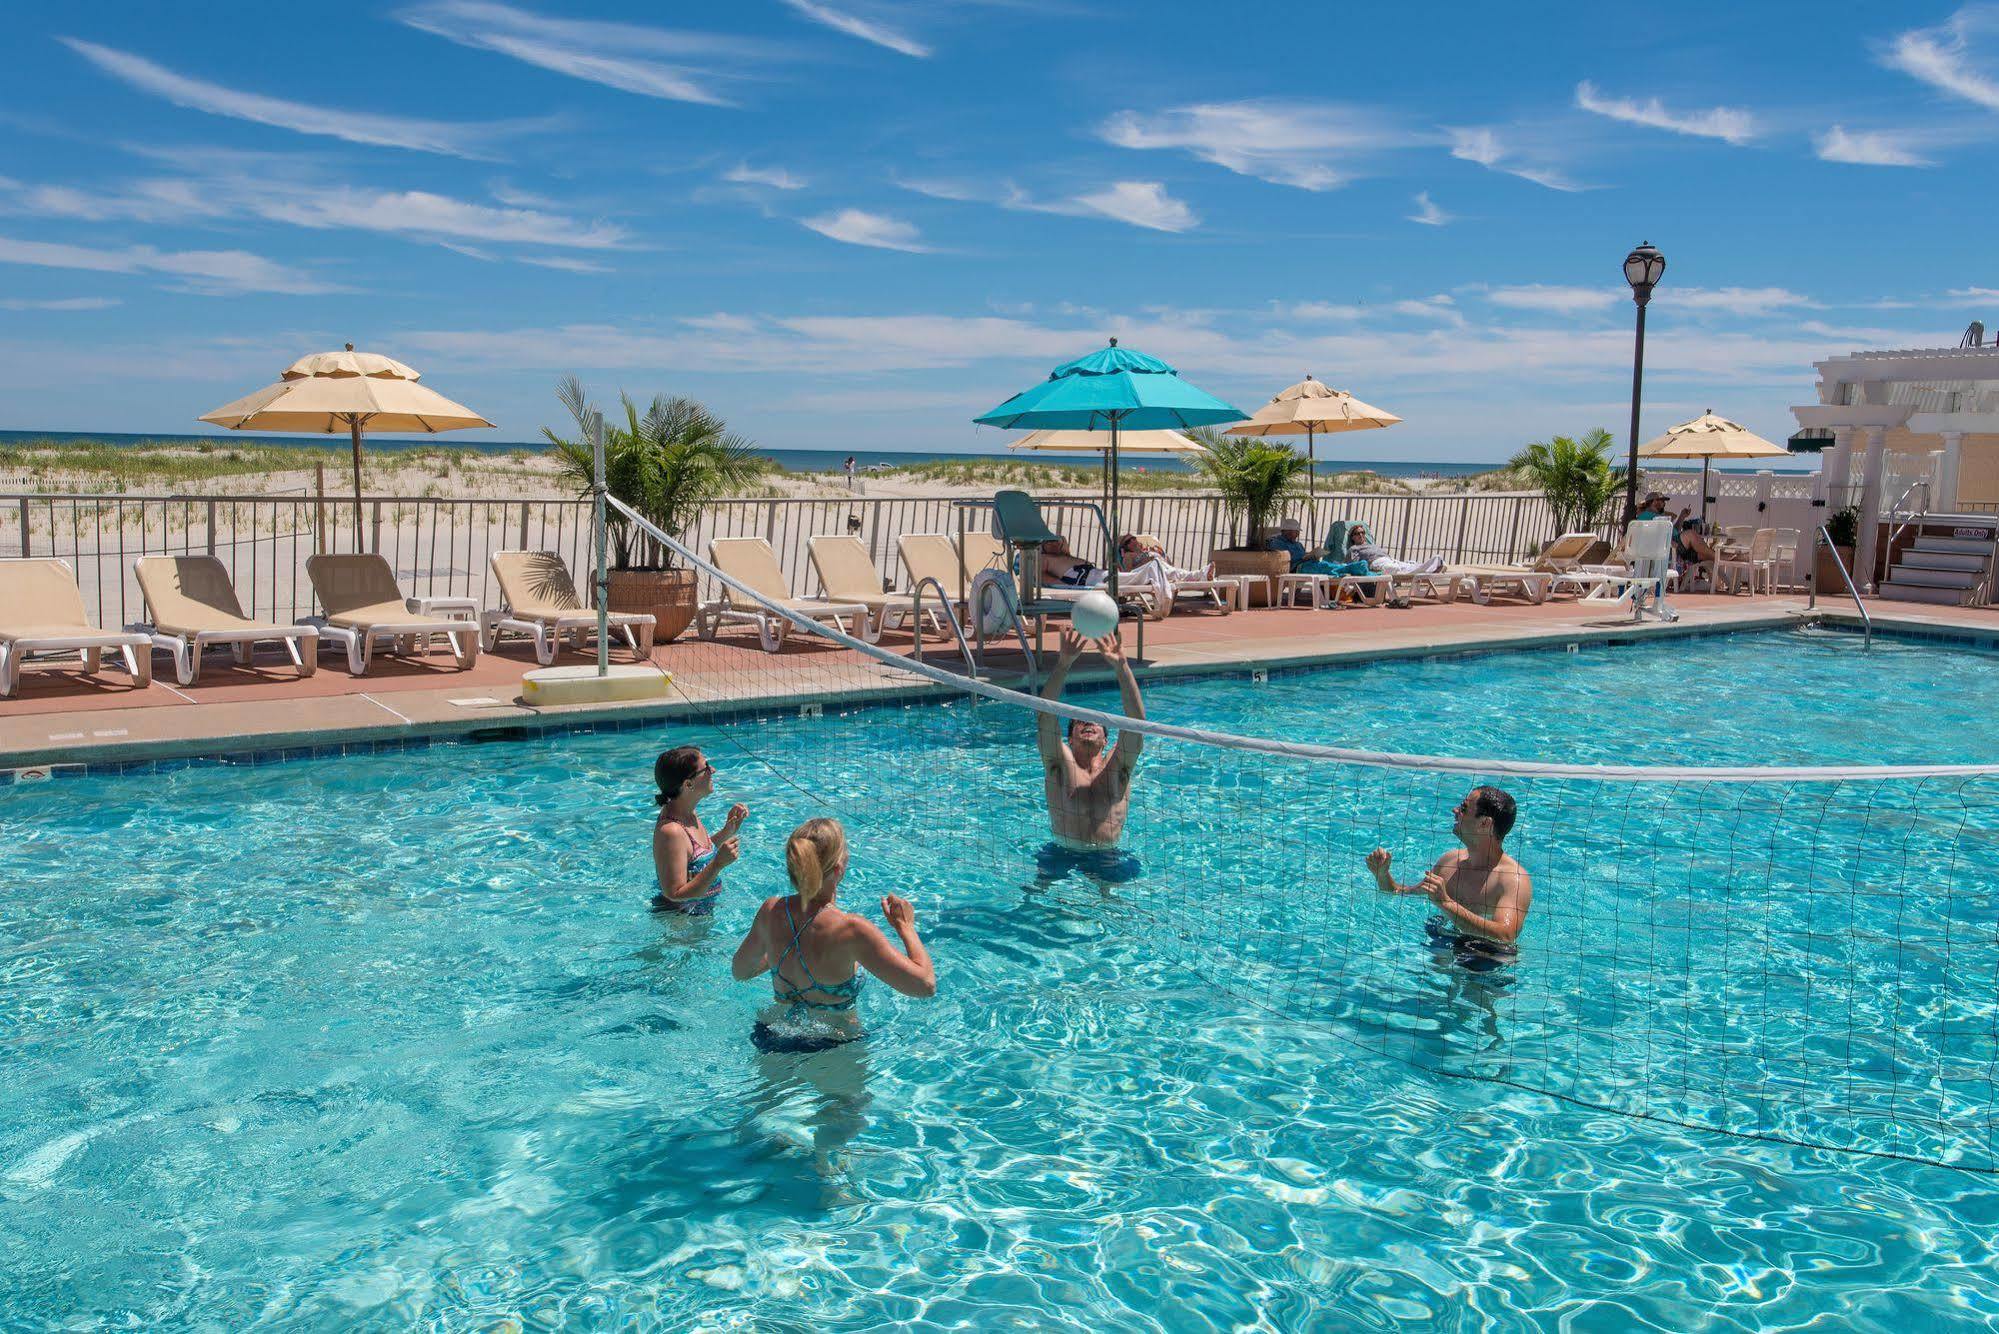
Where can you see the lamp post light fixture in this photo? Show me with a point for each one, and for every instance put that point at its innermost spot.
(1643, 268)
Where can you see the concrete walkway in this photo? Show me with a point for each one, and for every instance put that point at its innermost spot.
(61, 716)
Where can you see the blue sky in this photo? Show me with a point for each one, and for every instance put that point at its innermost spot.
(857, 223)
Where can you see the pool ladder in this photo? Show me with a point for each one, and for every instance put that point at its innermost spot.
(1866, 621)
(958, 629)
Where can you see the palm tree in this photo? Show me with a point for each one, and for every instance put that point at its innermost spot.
(666, 463)
(1575, 475)
(1253, 475)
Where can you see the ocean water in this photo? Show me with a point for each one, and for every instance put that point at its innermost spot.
(390, 1040)
(797, 460)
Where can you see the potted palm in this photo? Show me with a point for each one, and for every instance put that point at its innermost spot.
(1575, 475)
(666, 463)
(1844, 530)
(1254, 478)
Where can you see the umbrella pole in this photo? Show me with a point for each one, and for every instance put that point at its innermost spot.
(1113, 507)
(1312, 478)
(354, 430)
(1705, 460)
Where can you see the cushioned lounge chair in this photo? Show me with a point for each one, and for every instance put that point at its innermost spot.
(363, 606)
(751, 562)
(41, 611)
(539, 599)
(847, 574)
(192, 605)
(1221, 593)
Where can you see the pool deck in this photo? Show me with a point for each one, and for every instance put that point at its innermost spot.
(61, 716)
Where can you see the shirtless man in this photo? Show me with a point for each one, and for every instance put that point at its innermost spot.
(1089, 786)
(1482, 894)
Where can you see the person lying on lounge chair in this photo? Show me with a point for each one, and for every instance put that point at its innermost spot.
(1137, 556)
(1361, 546)
(1059, 565)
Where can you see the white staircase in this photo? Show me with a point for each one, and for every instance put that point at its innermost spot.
(1953, 571)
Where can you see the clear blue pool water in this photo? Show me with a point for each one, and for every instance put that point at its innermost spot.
(389, 1040)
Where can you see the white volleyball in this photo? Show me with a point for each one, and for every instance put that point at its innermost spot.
(1094, 615)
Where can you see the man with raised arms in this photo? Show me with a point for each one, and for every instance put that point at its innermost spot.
(1088, 781)
(1481, 893)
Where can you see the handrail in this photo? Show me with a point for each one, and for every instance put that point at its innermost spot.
(1866, 621)
(1895, 513)
(950, 616)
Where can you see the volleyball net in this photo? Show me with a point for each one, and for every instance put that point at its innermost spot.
(1807, 955)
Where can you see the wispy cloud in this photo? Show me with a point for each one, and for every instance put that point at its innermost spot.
(1140, 203)
(1553, 299)
(671, 64)
(211, 272)
(1428, 213)
(1729, 124)
(869, 229)
(777, 178)
(567, 263)
(865, 29)
(357, 127)
(61, 303)
(1733, 300)
(1869, 148)
(1483, 145)
(1941, 58)
(302, 203)
(1308, 145)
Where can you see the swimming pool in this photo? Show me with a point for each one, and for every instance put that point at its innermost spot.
(389, 1038)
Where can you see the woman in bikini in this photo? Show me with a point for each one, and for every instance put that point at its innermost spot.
(688, 860)
(814, 951)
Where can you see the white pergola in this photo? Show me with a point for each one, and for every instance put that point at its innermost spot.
(1905, 398)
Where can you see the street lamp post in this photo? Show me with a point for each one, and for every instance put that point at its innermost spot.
(1643, 268)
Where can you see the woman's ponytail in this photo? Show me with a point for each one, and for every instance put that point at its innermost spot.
(813, 850)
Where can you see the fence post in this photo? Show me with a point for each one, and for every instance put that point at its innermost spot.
(524, 525)
(1464, 522)
(375, 526)
(770, 521)
(1408, 524)
(319, 508)
(24, 525)
(211, 527)
(1513, 542)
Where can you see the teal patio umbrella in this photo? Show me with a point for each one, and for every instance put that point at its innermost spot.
(1114, 389)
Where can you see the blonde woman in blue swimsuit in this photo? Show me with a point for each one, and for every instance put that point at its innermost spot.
(686, 858)
(814, 951)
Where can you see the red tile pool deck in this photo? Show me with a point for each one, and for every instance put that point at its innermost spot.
(63, 716)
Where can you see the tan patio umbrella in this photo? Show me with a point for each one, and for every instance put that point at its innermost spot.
(1311, 408)
(1708, 437)
(1161, 441)
(1096, 442)
(330, 392)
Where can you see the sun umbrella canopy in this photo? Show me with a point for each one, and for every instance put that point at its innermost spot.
(327, 392)
(1311, 407)
(1095, 442)
(1114, 386)
(1710, 437)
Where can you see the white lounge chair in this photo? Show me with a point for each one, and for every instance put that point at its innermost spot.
(1482, 581)
(192, 605)
(1222, 593)
(41, 611)
(1325, 589)
(751, 562)
(539, 599)
(847, 575)
(935, 556)
(363, 606)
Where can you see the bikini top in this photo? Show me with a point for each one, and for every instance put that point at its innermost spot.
(843, 993)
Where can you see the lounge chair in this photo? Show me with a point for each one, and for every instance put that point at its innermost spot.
(41, 611)
(935, 556)
(192, 604)
(363, 606)
(847, 574)
(1482, 581)
(539, 599)
(750, 562)
(1223, 593)
(1326, 590)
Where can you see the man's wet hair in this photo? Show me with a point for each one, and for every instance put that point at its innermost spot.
(1497, 806)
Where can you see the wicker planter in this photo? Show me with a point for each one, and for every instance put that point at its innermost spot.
(668, 596)
(1268, 564)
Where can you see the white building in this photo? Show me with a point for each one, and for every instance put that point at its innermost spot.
(1915, 432)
